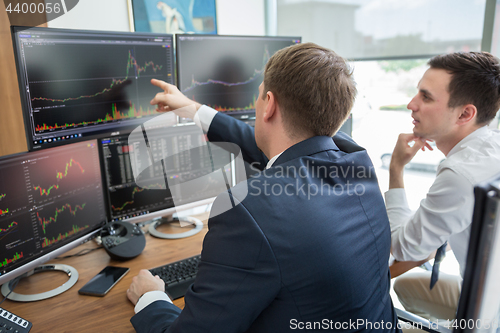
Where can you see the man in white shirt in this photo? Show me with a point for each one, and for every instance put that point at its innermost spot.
(457, 98)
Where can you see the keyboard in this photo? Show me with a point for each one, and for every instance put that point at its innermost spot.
(10, 323)
(178, 276)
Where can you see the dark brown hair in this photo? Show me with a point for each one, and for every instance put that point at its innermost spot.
(475, 80)
(314, 88)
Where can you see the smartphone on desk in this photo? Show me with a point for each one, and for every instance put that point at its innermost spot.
(100, 284)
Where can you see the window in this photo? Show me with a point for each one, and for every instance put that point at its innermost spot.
(385, 28)
(385, 87)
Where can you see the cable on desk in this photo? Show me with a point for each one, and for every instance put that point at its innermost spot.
(142, 225)
(12, 287)
(205, 225)
(80, 253)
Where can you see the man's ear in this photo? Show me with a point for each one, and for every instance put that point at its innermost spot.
(271, 107)
(469, 113)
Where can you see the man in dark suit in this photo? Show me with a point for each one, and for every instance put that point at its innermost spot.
(307, 248)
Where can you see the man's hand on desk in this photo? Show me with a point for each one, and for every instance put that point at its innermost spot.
(142, 283)
(173, 100)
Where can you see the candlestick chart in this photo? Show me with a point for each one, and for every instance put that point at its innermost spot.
(62, 236)
(13, 195)
(6, 261)
(134, 198)
(8, 229)
(57, 220)
(16, 240)
(93, 84)
(186, 158)
(49, 198)
(2, 211)
(62, 174)
(59, 211)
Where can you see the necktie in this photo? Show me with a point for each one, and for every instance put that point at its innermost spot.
(440, 254)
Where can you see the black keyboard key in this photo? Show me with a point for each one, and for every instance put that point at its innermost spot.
(179, 289)
(178, 276)
(10, 323)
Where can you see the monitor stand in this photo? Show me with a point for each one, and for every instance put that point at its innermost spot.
(198, 225)
(73, 278)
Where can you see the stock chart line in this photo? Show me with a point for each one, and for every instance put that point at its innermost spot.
(61, 175)
(2, 195)
(10, 228)
(4, 211)
(136, 190)
(44, 221)
(253, 77)
(131, 63)
(7, 261)
(45, 191)
(75, 229)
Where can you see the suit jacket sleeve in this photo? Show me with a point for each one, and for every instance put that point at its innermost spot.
(238, 277)
(225, 128)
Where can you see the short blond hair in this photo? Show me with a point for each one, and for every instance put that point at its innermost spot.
(313, 86)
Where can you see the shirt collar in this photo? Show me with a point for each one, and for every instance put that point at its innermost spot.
(272, 160)
(477, 133)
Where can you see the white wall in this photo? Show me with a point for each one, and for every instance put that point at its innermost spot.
(234, 17)
(95, 15)
(240, 17)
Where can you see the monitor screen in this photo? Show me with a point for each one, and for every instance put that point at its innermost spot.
(78, 84)
(136, 202)
(50, 201)
(225, 72)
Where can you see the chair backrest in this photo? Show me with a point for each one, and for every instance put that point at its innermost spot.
(479, 305)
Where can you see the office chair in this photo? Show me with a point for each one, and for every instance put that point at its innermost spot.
(479, 305)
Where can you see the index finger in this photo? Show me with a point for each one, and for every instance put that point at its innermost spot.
(160, 84)
(407, 137)
(145, 272)
(428, 145)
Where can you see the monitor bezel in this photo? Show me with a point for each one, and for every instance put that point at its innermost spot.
(168, 212)
(243, 37)
(42, 258)
(21, 80)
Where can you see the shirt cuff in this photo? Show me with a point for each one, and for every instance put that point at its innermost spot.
(396, 197)
(203, 118)
(150, 297)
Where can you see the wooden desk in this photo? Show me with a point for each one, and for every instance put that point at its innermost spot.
(72, 312)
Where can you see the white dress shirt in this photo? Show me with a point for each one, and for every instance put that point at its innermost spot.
(202, 118)
(446, 212)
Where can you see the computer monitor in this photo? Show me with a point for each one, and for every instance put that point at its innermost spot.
(77, 84)
(225, 72)
(479, 305)
(152, 198)
(50, 202)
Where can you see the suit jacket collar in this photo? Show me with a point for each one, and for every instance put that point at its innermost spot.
(339, 142)
(307, 147)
